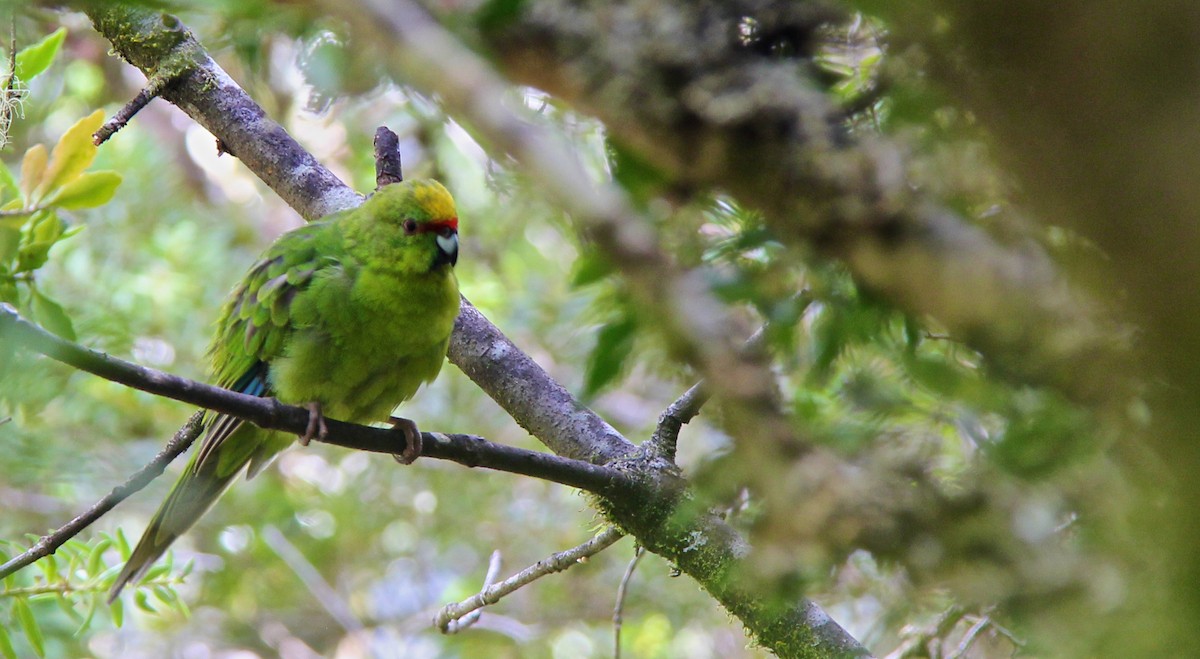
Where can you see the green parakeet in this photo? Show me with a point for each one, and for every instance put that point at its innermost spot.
(348, 315)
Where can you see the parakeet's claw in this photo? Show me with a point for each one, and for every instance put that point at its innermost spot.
(316, 424)
(412, 440)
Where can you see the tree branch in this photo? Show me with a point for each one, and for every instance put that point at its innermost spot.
(467, 450)
(163, 48)
(457, 623)
(763, 128)
(154, 86)
(554, 563)
(51, 542)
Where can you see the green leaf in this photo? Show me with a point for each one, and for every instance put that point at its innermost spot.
(165, 594)
(10, 239)
(495, 14)
(589, 269)
(155, 572)
(35, 58)
(73, 154)
(42, 234)
(95, 559)
(29, 625)
(49, 564)
(50, 314)
(7, 182)
(143, 602)
(68, 608)
(117, 610)
(88, 191)
(641, 179)
(6, 647)
(614, 344)
(33, 168)
(14, 221)
(123, 544)
(93, 604)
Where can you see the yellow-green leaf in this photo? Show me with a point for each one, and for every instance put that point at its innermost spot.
(14, 222)
(117, 610)
(42, 234)
(68, 608)
(73, 154)
(95, 559)
(10, 238)
(7, 182)
(50, 314)
(93, 604)
(35, 58)
(88, 191)
(143, 602)
(6, 647)
(33, 168)
(29, 625)
(123, 544)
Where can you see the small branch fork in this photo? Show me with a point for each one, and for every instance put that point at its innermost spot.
(665, 440)
(455, 625)
(452, 613)
(153, 469)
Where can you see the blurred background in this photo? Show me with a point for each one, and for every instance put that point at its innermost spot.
(337, 553)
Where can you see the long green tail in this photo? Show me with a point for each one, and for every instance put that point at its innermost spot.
(212, 468)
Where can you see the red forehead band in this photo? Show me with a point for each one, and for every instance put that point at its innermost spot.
(438, 225)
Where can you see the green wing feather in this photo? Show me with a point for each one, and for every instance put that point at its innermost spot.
(251, 331)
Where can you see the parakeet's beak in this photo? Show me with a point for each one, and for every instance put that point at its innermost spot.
(447, 242)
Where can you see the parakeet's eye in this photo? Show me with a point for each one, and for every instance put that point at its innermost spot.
(410, 227)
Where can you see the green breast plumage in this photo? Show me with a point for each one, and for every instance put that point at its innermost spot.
(364, 341)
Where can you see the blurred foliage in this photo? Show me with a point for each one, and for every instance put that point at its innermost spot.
(147, 277)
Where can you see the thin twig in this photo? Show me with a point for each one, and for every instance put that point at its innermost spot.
(325, 594)
(665, 440)
(493, 571)
(268, 413)
(10, 100)
(917, 640)
(619, 607)
(19, 212)
(969, 638)
(554, 563)
(388, 168)
(154, 86)
(50, 543)
(1008, 633)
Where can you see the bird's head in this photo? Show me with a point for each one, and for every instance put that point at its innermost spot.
(415, 223)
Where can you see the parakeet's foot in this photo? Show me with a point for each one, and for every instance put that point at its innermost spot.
(316, 424)
(412, 439)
